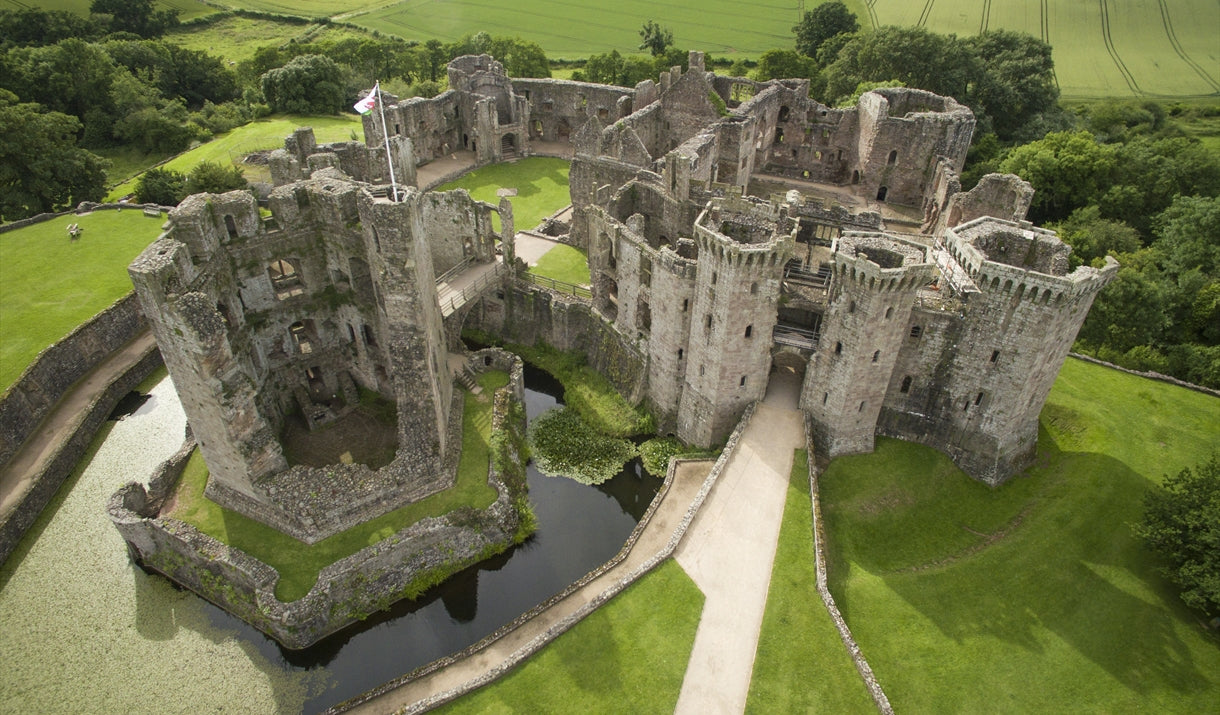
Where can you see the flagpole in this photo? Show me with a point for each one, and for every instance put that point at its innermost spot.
(386, 133)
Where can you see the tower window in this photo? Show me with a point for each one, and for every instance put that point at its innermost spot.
(709, 321)
(838, 348)
(995, 355)
(825, 396)
(906, 385)
(685, 304)
(680, 353)
(876, 355)
(851, 307)
(888, 312)
(753, 289)
(978, 399)
(749, 330)
(916, 331)
(893, 158)
(743, 381)
(860, 408)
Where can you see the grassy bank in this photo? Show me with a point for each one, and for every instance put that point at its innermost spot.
(564, 263)
(266, 133)
(801, 664)
(628, 656)
(52, 284)
(962, 595)
(299, 563)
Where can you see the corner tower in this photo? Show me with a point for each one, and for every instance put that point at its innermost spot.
(875, 279)
(742, 247)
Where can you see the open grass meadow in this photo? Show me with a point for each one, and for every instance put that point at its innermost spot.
(1034, 596)
(629, 656)
(801, 665)
(541, 183)
(265, 133)
(49, 284)
(236, 38)
(299, 563)
(1109, 48)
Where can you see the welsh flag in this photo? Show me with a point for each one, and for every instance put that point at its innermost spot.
(366, 105)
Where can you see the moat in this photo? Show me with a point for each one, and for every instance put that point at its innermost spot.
(141, 627)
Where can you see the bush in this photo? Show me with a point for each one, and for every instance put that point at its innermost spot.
(164, 187)
(564, 445)
(214, 179)
(1182, 524)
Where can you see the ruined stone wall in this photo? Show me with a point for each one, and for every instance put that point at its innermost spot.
(530, 314)
(435, 126)
(457, 228)
(902, 133)
(558, 108)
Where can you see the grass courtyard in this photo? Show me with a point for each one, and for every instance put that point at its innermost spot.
(299, 563)
(541, 183)
(49, 285)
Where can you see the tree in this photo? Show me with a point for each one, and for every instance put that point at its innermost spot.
(164, 187)
(214, 179)
(822, 23)
(784, 64)
(1068, 170)
(136, 16)
(1188, 234)
(31, 27)
(1092, 237)
(309, 84)
(655, 38)
(914, 56)
(1182, 525)
(1017, 81)
(41, 167)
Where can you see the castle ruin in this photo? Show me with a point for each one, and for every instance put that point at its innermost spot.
(733, 229)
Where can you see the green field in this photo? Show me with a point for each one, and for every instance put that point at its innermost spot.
(1035, 596)
(50, 285)
(236, 38)
(265, 133)
(1108, 48)
(186, 8)
(541, 183)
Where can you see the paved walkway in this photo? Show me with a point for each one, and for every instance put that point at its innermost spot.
(61, 422)
(492, 659)
(531, 247)
(729, 550)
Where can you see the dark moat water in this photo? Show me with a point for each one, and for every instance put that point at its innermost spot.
(579, 527)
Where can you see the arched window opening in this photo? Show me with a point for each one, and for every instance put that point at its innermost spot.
(906, 385)
(916, 331)
(893, 158)
(749, 330)
(876, 355)
(231, 226)
(285, 279)
(882, 192)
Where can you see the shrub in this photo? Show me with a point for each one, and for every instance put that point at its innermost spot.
(564, 445)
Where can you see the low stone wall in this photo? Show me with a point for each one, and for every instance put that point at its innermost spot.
(346, 591)
(1150, 375)
(565, 624)
(828, 599)
(24, 405)
(70, 452)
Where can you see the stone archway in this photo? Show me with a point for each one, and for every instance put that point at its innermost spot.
(787, 376)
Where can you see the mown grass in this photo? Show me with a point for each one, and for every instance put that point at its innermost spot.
(629, 656)
(963, 596)
(265, 133)
(801, 664)
(49, 284)
(298, 563)
(564, 263)
(541, 183)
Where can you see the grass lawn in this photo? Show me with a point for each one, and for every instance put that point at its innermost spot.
(801, 664)
(541, 183)
(265, 133)
(629, 656)
(49, 285)
(564, 263)
(299, 563)
(1035, 596)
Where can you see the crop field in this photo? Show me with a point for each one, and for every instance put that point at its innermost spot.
(186, 8)
(1107, 48)
(236, 38)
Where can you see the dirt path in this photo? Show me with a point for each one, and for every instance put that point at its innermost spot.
(60, 424)
(729, 550)
(500, 654)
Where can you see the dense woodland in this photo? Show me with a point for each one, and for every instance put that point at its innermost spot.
(1115, 177)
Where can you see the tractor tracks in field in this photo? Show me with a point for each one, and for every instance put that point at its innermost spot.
(923, 16)
(1181, 51)
(985, 20)
(1118, 61)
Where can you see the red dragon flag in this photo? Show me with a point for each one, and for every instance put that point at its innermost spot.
(366, 105)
